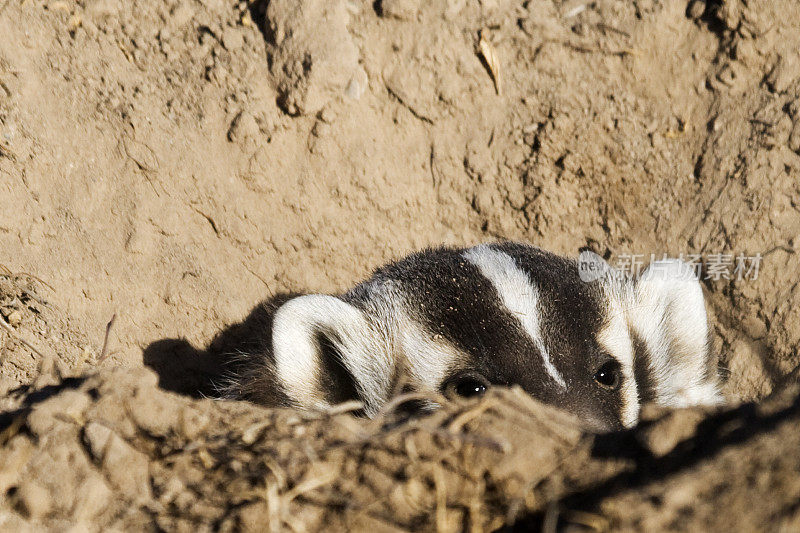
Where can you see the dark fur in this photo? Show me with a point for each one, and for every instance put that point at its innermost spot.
(450, 296)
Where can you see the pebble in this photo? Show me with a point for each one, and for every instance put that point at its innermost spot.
(794, 137)
(14, 318)
(782, 75)
(357, 84)
(93, 497)
(243, 127)
(96, 436)
(155, 414)
(125, 466)
(193, 422)
(696, 9)
(45, 415)
(232, 39)
(100, 9)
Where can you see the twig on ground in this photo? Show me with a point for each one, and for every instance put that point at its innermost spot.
(104, 351)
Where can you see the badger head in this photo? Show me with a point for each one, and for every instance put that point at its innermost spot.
(458, 321)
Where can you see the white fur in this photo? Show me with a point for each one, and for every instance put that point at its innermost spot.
(615, 338)
(669, 315)
(425, 357)
(664, 307)
(614, 335)
(297, 355)
(519, 295)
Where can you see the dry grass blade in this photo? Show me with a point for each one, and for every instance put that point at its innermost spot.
(309, 484)
(492, 62)
(11, 331)
(344, 407)
(104, 351)
(592, 521)
(471, 414)
(35, 278)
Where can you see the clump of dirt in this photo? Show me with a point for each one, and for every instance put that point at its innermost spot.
(172, 164)
(114, 450)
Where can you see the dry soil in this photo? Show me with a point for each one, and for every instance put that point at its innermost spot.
(173, 163)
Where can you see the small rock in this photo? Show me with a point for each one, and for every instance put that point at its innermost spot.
(232, 39)
(16, 454)
(154, 413)
(92, 498)
(327, 115)
(14, 318)
(320, 129)
(669, 429)
(357, 84)
(794, 137)
(101, 9)
(253, 516)
(96, 436)
(782, 75)
(696, 9)
(243, 127)
(193, 422)
(399, 9)
(252, 433)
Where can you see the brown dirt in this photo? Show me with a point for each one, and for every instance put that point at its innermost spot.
(174, 163)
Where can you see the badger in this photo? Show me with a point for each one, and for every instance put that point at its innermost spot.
(453, 322)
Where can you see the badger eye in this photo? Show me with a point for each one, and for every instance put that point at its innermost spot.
(609, 375)
(466, 386)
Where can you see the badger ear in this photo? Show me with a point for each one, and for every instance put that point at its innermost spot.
(327, 352)
(668, 319)
(592, 267)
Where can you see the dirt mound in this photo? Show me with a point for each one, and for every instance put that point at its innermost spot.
(115, 450)
(174, 163)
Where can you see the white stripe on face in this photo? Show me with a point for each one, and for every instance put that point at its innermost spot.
(518, 294)
(615, 338)
(424, 357)
(427, 357)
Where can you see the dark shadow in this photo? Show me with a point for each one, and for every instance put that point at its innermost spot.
(719, 431)
(258, 13)
(710, 16)
(33, 396)
(196, 372)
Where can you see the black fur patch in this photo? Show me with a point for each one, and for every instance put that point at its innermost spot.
(641, 369)
(334, 379)
(572, 312)
(448, 294)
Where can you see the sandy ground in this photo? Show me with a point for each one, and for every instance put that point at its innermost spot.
(172, 164)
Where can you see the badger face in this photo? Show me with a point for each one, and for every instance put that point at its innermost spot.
(458, 321)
